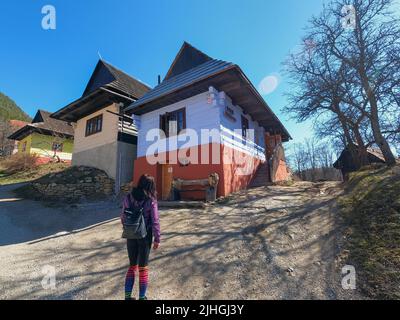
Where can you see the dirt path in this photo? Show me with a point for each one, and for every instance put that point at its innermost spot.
(238, 249)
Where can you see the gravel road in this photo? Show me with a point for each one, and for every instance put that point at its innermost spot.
(265, 243)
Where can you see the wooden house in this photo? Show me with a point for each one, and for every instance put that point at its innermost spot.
(201, 93)
(105, 138)
(48, 138)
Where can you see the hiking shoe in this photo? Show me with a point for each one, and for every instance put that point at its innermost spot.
(130, 298)
(143, 298)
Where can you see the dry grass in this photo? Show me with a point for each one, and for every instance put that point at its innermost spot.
(29, 174)
(371, 211)
(18, 162)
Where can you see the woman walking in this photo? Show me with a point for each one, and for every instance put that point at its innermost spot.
(144, 199)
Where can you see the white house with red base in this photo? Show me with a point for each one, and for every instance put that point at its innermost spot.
(206, 117)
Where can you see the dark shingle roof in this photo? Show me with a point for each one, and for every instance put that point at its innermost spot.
(187, 58)
(182, 80)
(346, 161)
(109, 76)
(42, 122)
(190, 75)
(107, 84)
(126, 83)
(52, 124)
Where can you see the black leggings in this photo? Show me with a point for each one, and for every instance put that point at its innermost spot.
(139, 250)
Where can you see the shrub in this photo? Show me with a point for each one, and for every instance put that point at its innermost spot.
(19, 162)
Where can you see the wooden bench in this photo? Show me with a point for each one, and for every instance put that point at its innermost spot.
(208, 186)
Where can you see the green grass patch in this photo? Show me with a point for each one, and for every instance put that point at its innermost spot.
(371, 211)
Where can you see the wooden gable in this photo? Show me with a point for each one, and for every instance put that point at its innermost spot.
(187, 58)
(100, 77)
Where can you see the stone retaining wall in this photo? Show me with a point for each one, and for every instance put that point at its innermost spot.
(78, 183)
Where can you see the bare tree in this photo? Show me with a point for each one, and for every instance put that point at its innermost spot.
(370, 46)
(313, 160)
(57, 144)
(6, 145)
(321, 93)
(297, 156)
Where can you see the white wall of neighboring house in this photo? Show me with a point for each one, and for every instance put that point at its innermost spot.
(204, 111)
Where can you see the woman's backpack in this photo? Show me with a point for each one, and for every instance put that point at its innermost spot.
(134, 226)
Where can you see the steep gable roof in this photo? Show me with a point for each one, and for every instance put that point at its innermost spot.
(184, 79)
(107, 85)
(107, 75)
(43, 123)
(52, 124)
(187, 58)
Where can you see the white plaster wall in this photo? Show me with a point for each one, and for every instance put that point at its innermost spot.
(203, 111)
(199, 115)
(231, 131)
(107, 135)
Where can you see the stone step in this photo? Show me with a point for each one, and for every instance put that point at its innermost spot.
(261, 177)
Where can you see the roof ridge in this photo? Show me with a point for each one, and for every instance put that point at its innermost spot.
(178, 55)
(45, 111)
(194, 68)
(120, 70)
(198, 50)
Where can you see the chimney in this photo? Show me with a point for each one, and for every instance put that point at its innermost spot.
(159, 79)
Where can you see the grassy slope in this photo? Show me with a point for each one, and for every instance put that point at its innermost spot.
(371, 210)
(31, 174)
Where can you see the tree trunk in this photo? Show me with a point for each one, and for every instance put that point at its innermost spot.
(362, 150)
(375, 125)
(349, 140)
(372, 99)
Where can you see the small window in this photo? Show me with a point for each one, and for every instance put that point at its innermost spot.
(24, 147)
(245, 127)
(94, 125)
(172, 123)
(57, 147)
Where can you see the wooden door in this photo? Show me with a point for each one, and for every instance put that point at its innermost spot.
(166, 181)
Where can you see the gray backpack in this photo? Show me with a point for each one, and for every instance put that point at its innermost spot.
(134, 226)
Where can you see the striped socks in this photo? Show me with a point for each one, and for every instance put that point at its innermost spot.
(130, 281)
(143, 281)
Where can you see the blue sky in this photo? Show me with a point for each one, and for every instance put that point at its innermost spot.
(49, 68)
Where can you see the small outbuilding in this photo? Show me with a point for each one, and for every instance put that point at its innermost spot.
(346, 162)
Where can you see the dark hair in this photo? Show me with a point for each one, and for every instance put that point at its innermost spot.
(148, 186)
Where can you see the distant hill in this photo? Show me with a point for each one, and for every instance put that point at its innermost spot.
(10, 111)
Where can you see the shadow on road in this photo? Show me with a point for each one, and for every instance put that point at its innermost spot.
(25, 220)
